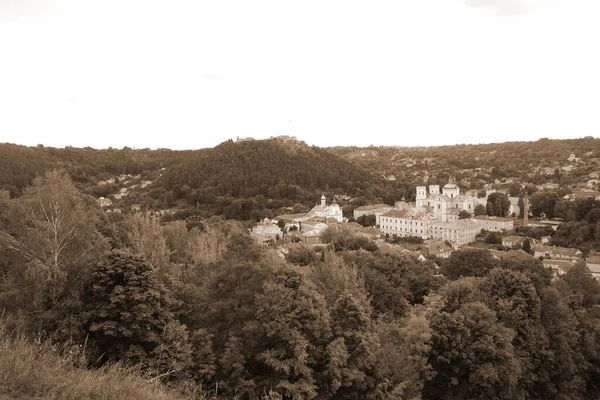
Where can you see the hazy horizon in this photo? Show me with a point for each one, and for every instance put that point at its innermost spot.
(193, 74)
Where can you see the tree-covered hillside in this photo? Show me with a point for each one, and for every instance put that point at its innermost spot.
(235, 178)
(478, 163)
(19, 165)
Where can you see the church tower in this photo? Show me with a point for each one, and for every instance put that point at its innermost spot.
(323, 200)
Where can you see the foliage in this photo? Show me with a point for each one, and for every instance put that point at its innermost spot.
(463, 214)
(367, 220)
(497, 205)
(470, 262)
(130, 318)
(480, 209)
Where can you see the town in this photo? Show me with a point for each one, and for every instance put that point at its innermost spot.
(440, 222)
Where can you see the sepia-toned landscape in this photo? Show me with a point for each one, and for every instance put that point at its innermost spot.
(270, 269)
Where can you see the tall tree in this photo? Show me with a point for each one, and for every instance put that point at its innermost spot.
(131, 317)
(472, 356)
(497, 204)
(52, 239)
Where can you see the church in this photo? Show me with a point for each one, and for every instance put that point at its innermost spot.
(445, 205)
(326, 211)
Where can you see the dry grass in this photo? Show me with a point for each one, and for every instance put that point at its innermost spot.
(36, 370)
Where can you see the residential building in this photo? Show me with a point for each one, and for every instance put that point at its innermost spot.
(266, 235)
(557, 253)
(104, 202)
(583, 194)
(559, 267)
(593, 264)
(515, 241)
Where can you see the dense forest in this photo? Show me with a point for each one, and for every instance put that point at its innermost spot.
(200, 311)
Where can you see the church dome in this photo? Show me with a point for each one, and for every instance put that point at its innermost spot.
(450, 186)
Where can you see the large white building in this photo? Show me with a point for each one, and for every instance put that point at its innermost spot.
(411, 222)
(441, 204)
(435, 215)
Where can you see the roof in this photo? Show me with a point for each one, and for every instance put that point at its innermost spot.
(515, 239)
(395, 213)
(557, 250)
(372, 207)
(564, 265)
(319, 208)
(461, 224)
(512, 254)
(594, 259)
(439, 197)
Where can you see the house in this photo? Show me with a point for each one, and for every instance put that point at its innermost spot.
(557, 253)
(104, 202)
(515, 241)
(511, 254)
(438, 249)
(315, 223)
(311, 237)
(136, 207)
(373, 209)
(583, 194)
(494, 224)
(593, 264)
(266, 234)
(559, 267)
(572, 158)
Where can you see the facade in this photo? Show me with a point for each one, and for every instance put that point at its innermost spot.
(494, 224)
(458, 232)
(402, 223)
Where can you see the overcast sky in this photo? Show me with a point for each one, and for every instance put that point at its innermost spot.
(191, 74)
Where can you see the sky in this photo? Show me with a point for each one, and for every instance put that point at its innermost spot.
(188, 74)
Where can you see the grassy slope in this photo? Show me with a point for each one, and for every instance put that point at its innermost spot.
(34, 371)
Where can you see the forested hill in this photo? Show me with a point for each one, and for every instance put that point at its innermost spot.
(19, 165)
(261, 170)
(495, 160)
(241, 180)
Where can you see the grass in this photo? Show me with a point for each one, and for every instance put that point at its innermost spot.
(42, 371)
